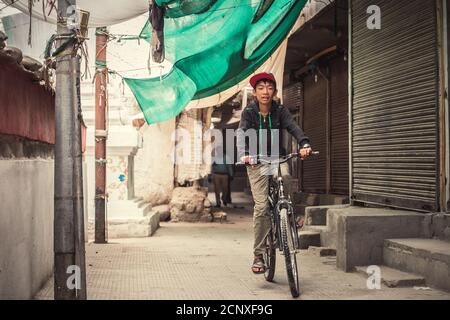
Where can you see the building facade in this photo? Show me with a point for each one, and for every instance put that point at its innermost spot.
(368, 81)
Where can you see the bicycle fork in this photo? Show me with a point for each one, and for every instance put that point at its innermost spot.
(291, 217)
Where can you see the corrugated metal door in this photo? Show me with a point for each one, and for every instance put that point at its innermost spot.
(314, 120)
(395, 105)
(293, 99)
(293, 96)
(339, 127)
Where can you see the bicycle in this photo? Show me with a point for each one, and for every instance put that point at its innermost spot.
(283, 233)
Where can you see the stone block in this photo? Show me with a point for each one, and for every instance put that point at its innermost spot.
(188, 204)
(207, 203)
(361, 232)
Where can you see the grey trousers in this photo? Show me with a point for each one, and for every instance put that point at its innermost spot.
(221, 186)
(259, 183)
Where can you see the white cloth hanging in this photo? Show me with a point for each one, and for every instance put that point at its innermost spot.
(102, 12)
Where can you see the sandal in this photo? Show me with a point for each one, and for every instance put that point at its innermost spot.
(258, 266)
(300, 222)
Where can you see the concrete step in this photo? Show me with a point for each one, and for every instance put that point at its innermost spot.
(142, 204)
(319, 229)
(128, 209)
(393, 278)
(305, 199)
(328, 237)
(317, 216)
(129, 227)
(299, 209)
(426, 257)
(138, 199)
(127, 220)
(308, 238)
(322, 251)
(331, 199)
(312, 199)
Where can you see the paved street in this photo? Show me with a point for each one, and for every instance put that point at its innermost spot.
(205, 261)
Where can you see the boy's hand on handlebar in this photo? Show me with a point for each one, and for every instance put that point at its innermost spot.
(305, 152)
(247, 160)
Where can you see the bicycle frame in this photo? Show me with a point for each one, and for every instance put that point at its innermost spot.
(278, 201)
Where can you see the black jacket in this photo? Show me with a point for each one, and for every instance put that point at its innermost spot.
(281, 118)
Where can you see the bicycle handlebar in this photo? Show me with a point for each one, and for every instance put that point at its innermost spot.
(270, 161)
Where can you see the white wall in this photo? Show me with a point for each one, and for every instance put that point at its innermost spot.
(17, 27)
(26, 226)
(153, 175)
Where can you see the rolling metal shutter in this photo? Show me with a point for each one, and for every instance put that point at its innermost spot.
(293, 96)
(339, 127)
(314, 120)
(293, 99)
(395, 124)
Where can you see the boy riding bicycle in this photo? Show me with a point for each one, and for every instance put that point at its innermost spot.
(261, 122)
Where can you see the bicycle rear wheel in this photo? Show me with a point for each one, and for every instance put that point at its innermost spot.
(289, 250)
(270, 257)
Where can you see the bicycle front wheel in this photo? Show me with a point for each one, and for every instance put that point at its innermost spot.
(270, 257)
(289, 251)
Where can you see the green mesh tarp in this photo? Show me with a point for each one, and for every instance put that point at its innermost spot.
(213, 46)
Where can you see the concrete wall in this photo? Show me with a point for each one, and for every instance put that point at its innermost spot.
(27, 108)
(437, 226)
(155, 186)
(26, 226)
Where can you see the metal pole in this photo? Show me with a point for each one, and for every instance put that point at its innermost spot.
(100, 135)
(442, 200)
(446, 107)
(78, 188)
(350, 101)
(64, 230)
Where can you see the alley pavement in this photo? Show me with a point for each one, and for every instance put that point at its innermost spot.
(211, 261)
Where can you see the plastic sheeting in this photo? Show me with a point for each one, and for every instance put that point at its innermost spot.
(274, 65)
(212, 52)
(102, 12)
